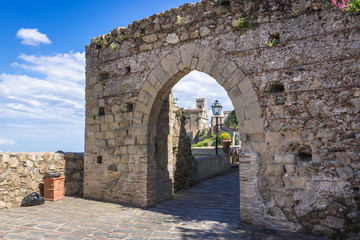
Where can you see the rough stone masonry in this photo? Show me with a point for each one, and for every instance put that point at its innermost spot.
(292, 72)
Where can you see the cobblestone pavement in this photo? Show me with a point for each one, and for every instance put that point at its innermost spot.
(208, 211)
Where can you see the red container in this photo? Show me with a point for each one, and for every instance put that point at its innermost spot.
(54, 188)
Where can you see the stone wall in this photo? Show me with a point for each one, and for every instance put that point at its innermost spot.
(199, 152)
(296, 100)
(211, 166)
(23, 173)
(175, 164)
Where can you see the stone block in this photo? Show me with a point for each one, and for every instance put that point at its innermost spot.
(129, 140)
(161, 75)
(207, 59)
(146, 47)
(123, 150)
(294, 182)
(143, 97)
(169, 64)
(111, 143)
(345, 172)
(333, 222)
(141, 107)
(110, 134)
(255, 125)
(292, 136)
(279, 147)
(104, 127)
(187, 52)
(273, 136)
(119, 133)
(252, 110)
(322, 231)
(290, 169)
(260, 147)
(177, 56)
(249, 97)
(229, 69)
(245, 85)
(283, 201)
(204, 31)
(275, 170)
(286, 158)
(233, 79)
(109, 118)
(274, 181)
(194, 62)
(172, 38)
(234, 93)
(150, 39)
(217, 68)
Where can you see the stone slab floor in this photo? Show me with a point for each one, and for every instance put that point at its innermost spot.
(208, 211)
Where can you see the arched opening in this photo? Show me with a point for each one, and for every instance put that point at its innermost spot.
(162, 79)
(186, 122)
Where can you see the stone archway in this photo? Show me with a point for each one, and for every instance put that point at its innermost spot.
(290, 69)
(171, 69)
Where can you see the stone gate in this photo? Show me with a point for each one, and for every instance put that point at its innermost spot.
(292, 72)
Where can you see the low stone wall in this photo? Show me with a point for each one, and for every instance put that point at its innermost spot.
(199, 152)
(23, 173)
(212, 166)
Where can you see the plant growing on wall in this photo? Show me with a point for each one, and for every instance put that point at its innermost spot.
(242, 24)
(271, 42)
(347, 5)
(114, 46)
(123, 37)
(179, 20)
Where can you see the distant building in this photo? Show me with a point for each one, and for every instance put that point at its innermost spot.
(226, 115)
(220, 123)
(197, 119)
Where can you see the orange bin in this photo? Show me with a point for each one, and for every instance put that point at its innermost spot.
(54, 188)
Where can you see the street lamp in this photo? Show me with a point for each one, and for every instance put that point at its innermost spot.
(216, 110)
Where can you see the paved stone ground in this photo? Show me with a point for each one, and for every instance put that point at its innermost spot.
(208, 211)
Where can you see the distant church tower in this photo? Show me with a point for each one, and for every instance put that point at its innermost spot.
(198, 118)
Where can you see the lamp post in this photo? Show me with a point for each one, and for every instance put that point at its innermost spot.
(216, 110)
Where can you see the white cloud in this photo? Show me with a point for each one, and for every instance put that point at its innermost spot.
(6, 142)
(57, 96)
(200, 85)
(32, 37)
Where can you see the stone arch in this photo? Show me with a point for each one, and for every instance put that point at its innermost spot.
(175, 65)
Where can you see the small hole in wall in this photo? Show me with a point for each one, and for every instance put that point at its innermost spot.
(277, 88)
(99, 159)
(127, 70)
(101, 111)
(225, 3)
(129, 107)
(103, 76)
(275, 37)
(305, 154)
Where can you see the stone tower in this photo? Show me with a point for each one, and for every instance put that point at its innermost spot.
(197, 119)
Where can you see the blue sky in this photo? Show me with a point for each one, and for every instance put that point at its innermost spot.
(42, 68)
